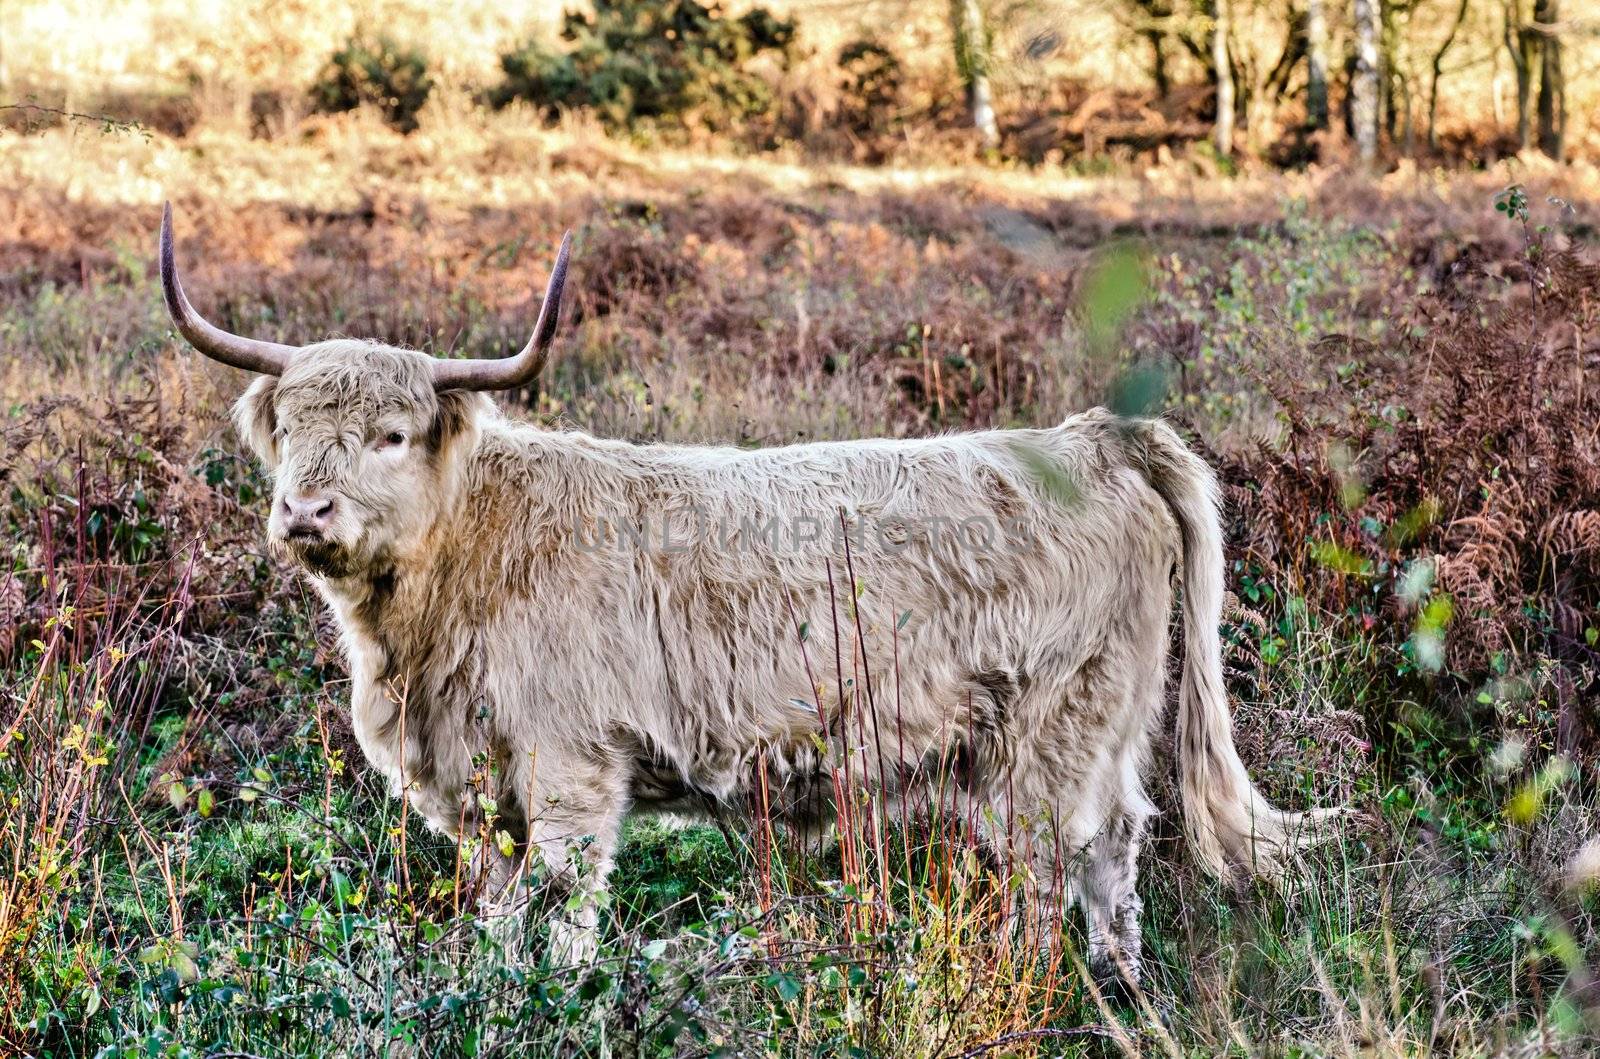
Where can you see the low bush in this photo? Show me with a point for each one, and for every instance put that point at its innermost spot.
(870, 86)
(375, 72)
(1405, 475)
(652, 61)
(1436, 488)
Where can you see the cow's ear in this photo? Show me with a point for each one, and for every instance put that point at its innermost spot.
(257, 421)
(455, 424)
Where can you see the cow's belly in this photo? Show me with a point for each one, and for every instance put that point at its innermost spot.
(657, 788)
(789, 783)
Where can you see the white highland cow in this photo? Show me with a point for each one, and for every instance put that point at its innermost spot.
(615, 626)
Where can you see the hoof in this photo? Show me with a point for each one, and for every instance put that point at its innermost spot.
(1117, 980)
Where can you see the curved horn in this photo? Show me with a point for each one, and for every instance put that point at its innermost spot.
(525, 366)
(268, 358)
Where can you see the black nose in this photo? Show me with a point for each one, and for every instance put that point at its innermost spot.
(307, 515)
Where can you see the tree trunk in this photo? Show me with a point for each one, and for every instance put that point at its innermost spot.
(1408, 128)
(972, 60)
(1316, 64)
(1264, 95)
(1522, 43)
(1390, 77)
(1294, 49)
(1158, 63)
(1158, 27)
(1224, 68)
(1364, 81)
(1438, 74)
(1552, 85)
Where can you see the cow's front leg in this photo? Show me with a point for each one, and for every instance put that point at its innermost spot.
(563, 819)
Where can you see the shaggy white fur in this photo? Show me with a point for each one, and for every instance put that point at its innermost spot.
(608, 625)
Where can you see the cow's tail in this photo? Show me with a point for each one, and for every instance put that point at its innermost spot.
(1234, 830)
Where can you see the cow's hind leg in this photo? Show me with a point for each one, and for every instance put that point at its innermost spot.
(1078, 804)
(1036, 836)
(1069, 853)
(1108, 880)
(1108, 892)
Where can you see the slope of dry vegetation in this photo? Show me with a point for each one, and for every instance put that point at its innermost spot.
(1398, 383)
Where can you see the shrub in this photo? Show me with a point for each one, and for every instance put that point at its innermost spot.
(634, 61)
(1431, 488)
(376, 72)
(870, 90)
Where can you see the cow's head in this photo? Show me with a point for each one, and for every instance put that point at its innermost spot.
(362, 438)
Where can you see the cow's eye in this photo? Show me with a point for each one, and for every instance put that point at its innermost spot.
(395, 437)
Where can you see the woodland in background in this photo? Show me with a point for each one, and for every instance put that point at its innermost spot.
(1374, 69)
(1089, 82)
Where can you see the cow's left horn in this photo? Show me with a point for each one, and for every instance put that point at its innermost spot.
(525, 366)
(268, 358)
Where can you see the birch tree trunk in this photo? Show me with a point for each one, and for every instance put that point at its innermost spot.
(1522, 44)
(1364, 81)
(972, 60)
(1316, 64)
(1224, 67)
(1438, 75)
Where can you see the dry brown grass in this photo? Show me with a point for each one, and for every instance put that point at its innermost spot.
(457, 221)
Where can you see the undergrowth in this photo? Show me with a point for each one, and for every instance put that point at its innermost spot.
(198, 861)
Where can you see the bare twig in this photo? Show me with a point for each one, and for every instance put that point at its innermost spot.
(105, 121)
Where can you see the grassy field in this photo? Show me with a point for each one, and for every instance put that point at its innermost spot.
(1399, 382)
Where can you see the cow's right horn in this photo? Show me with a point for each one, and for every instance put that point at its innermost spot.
(268, 358)
(524, 367)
